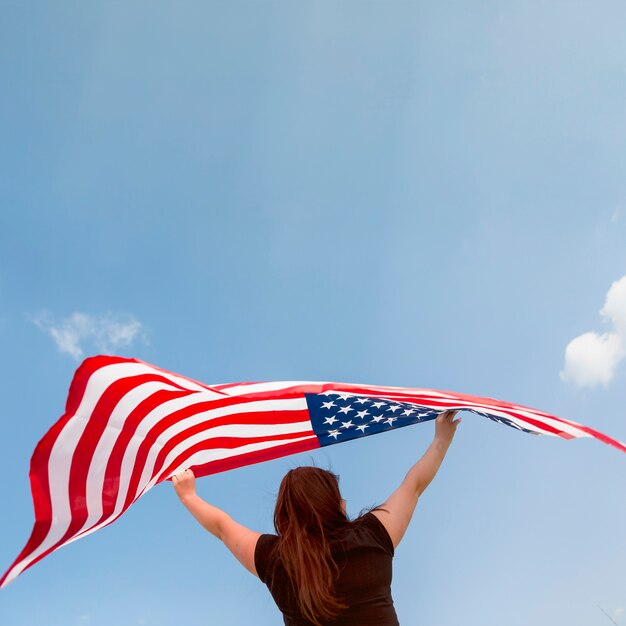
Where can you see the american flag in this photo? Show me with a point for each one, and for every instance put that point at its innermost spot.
(129, 425)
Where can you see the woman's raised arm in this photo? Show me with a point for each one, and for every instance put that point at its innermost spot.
(401, 503)
(241, 541)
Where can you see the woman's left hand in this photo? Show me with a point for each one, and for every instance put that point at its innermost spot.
(184, 483)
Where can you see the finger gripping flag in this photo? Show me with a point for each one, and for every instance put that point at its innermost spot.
(129, 425)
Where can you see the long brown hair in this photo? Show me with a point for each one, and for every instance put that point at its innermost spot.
(308, 514)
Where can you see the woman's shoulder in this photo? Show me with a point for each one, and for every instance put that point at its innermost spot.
(263, 554)
(265, 544)
(368, 525)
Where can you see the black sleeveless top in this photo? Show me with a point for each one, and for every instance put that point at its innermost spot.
(363, 553)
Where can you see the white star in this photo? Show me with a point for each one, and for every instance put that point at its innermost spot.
(329, 393)
(330, 420)
(333, 433)
(362, 427)
(347, 424)
(377, 405)
(377, 418)
(327, 405)
(362, 400)
(361, 414)
(345, 409)
(394, 408)
(408, 411)
(344, 396)
(390, 420)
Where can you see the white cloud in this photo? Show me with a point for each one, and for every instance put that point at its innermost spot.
(591, 359)
(106, 333)
(614, 308)
(617, 613)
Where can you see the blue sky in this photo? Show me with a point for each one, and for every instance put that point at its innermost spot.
(419, 194)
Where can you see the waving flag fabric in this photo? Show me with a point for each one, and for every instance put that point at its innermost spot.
(129, 425)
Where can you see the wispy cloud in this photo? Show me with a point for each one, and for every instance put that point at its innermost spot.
(618, 215)
(591, 359)
(106, 334)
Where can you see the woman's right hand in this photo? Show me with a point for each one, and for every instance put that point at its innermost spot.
(184, 483)
(445, 426)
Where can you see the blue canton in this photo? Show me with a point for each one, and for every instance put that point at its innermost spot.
(338, 416)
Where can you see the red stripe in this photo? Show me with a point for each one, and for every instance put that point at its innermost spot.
(256, 418)
(249, 458)
(113, 469)
(602, 437)
(223, 386)
(234, 443)
(169, 373)
(84, 372)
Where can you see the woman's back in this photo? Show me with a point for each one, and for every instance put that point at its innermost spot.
(322, 569)
(363, 552)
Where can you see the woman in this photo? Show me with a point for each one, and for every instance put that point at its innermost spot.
(321, 568)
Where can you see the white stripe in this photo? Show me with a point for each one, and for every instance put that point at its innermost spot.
(185, 383)
(244, 431)
(102, 453)
(270, 386)
(206, 456)
(519, 422)
(547, 421)
(566, 427)
(377, 389)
